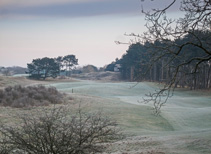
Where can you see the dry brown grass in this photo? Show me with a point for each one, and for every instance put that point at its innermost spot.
(24, 81)
(57, 131)
(99, 76)
(18, 96)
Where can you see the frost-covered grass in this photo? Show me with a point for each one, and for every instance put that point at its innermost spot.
(185, 110)
(184, 125)
(23, 97)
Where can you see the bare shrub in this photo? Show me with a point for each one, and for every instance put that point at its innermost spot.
(19, 96)
(58, 132)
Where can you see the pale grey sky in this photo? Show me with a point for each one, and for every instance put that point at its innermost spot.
(32, 29)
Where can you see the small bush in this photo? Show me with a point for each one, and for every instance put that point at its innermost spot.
(58, 132)
(19, 96)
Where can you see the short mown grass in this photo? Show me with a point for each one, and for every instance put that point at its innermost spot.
(133, 119)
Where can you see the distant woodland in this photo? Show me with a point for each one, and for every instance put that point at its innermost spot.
(153, 62)
(12, 70)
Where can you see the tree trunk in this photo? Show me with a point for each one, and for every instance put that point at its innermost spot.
(155, 72)
(131, 73)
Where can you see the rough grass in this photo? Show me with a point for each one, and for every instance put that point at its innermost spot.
(18, 96)
(6, 81)
(100, 76)
(184, 120)
(183, 127)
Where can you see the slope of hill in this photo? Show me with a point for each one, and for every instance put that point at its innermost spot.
(100, 76)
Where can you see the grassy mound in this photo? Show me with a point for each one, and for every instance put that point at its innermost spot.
(19, 96)
(99, 76)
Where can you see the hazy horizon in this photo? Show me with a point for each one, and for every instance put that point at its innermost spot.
(86, 28)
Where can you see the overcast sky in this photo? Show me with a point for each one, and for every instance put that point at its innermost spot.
(32, 29)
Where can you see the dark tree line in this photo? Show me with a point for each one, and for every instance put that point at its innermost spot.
(43, 68)
(180, 51)
(190, 51)
(153, 62)
(7, 71)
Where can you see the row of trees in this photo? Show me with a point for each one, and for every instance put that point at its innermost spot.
(7, 71)
(43, 68)
(153, 62)
(179, 48)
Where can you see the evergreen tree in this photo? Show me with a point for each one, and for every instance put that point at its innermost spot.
(43, 68)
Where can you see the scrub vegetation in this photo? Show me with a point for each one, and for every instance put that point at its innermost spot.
(19, 96)
(182, 127)
(58, 132)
